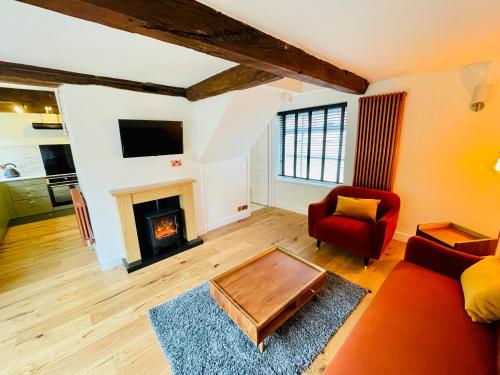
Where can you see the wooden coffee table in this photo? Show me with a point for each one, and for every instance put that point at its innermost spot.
(262, 293)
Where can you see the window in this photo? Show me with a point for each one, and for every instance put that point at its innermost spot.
(312, 143)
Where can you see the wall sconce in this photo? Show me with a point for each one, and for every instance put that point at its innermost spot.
(497, 165)
(479, 97)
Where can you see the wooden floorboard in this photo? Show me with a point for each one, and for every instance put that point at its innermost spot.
(60, 314)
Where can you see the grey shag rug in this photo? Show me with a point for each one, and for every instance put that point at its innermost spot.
(197, 337)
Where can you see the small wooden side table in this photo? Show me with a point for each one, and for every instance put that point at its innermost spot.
(459, 238)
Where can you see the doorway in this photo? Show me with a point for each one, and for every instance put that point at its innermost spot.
(259, 171)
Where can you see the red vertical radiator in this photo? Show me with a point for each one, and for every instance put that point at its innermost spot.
(82, 217)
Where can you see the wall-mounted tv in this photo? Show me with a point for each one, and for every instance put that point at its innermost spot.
(149, 138)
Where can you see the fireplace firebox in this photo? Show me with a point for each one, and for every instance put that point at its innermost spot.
(164, 229)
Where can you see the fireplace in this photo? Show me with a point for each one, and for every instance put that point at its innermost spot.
(158, 221)
(164, 229)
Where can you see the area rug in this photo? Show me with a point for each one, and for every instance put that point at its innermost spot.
(197, 337)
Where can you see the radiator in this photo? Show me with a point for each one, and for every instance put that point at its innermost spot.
(379, 129)
(82, 217)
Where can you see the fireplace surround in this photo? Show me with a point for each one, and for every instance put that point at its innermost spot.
(157, 221)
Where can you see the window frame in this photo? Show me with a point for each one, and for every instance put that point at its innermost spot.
(342, 146)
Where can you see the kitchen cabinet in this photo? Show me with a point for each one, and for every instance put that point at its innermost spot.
(6, 210)
(29, 197)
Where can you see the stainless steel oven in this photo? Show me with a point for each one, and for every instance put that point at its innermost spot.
(59, 188)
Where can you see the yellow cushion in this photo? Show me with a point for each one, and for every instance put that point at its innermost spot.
(357, 208)
(481, 286)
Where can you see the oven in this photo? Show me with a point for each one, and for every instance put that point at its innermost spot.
(57, 159)
(59, 189)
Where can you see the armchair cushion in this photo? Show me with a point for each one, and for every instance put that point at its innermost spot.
(346, 233)
(357, 208)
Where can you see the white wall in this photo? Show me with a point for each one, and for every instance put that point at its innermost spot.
(225, 187)
(447, 152)
(295, 195)
(19, 141)
(91, 114)
(208, 113)
(244, 117)
(258, 165)
(16, 129)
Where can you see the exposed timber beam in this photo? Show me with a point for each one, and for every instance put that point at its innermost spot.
(29, 101)
(194, 25)
(34, 75)
(237, 78)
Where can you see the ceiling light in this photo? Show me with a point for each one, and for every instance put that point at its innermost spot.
(18, 109)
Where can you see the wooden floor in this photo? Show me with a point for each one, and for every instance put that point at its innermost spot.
(59, 314)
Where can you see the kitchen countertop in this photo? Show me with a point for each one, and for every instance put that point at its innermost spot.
(27, 177)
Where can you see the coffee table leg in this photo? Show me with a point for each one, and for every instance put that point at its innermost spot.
(261, 347)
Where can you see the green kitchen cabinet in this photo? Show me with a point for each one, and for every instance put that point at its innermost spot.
(6, 210)
(29, 197)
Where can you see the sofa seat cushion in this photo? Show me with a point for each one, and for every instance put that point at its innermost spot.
(346, 233)
(417, 325)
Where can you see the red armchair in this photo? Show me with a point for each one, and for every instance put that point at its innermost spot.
(360, 237)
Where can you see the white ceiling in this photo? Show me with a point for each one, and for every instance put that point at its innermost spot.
(379, 39)
(34, 36)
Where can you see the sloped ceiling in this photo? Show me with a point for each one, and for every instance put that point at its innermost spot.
(383, 38)
(34, 36)
(226, 126)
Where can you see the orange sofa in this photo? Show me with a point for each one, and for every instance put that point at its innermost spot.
(417, 325)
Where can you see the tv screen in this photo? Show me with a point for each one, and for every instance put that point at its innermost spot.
(149, 138)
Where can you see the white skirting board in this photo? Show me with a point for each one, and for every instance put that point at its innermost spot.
(297, 209)
(403, 237)
(228, 220)
(111, 263)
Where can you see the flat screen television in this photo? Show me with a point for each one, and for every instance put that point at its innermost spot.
(150, 138)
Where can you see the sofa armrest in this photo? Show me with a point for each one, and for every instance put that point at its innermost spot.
(438, 258)
(384, 230)
(316, 212)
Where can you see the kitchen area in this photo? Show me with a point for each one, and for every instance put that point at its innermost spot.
(36, 164)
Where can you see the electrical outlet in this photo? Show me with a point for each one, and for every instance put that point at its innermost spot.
(244, 207)
(175, 163)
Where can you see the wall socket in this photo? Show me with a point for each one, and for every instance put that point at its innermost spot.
(243, 208)
(176, 163)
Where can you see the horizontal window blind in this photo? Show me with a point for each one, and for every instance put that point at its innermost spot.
(312, 143)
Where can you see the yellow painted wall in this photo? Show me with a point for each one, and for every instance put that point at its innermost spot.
(447, 152)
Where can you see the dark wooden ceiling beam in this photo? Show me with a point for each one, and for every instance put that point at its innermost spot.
(29, 101)
(194, 25)
(237, 78)
(35, 75)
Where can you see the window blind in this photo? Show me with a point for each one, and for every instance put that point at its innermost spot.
(312, 143)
